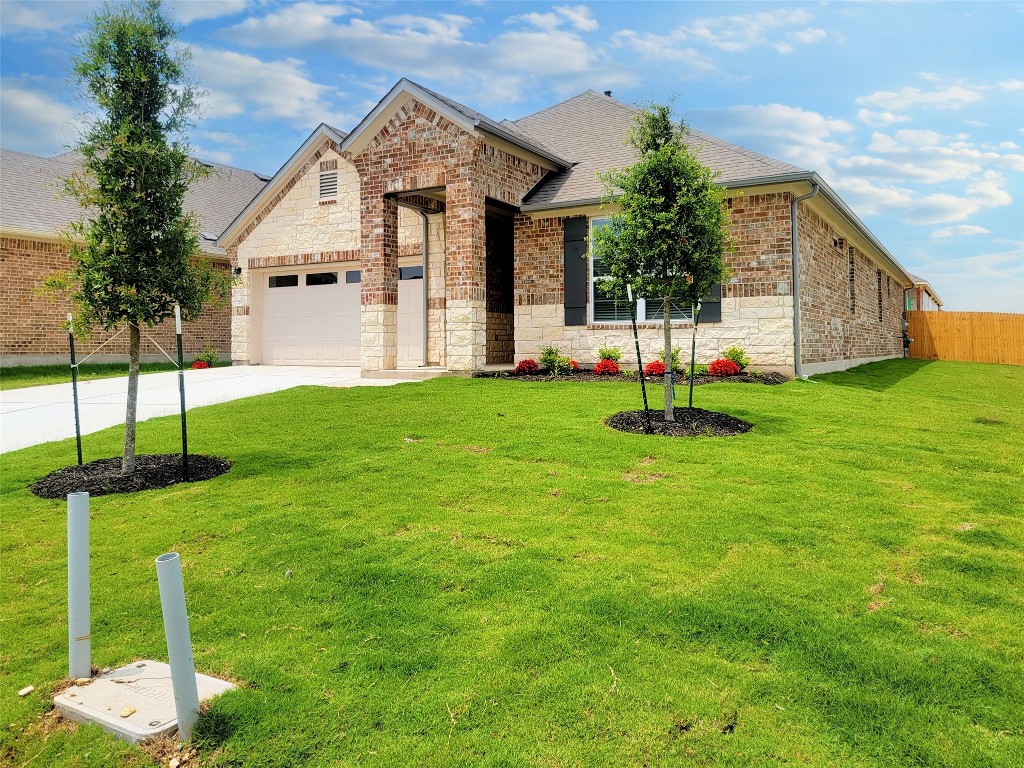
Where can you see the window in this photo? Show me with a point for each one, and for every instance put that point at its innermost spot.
(879, 274)
(853, 282)
(605, 309)
(322, 278)
(283, 281)
(329, 185)
(353, 276)
(410, 273)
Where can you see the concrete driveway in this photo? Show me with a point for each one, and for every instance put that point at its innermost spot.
(41, 414)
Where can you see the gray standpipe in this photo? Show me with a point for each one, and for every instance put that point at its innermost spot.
(179, 642)
(79, 645)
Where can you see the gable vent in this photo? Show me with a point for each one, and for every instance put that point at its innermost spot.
(329, 185)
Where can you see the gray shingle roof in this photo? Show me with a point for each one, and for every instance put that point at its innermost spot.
(590, 130)
(30, 198)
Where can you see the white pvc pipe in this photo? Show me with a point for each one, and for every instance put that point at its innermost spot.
(79, 645)
(179, 643)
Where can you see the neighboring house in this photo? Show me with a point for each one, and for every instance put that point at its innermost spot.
(32, 215)
(433, 235)
(922, 296)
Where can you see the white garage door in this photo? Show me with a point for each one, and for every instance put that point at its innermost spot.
(311, 317)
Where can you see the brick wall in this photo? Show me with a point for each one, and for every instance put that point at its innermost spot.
(419, 149)
(844, 316)
(757, 308)
(30, 326)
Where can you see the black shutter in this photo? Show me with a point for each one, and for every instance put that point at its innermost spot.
(711, 307)
(575, 270)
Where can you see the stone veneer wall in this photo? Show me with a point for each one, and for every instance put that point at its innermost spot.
(419, 149)
(757, 306)
(30, 327)
(839, 314)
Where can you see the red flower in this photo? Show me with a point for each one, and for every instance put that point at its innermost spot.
(574, 365)
(723, 366)
(526, 367)
(200, 364)
(607, 368)
(655, 368)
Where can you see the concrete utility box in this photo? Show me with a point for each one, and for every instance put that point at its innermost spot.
(144, 686)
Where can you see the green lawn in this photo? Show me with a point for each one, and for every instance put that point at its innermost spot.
(483, 574)
(20, 376)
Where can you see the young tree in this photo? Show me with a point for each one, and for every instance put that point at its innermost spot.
(668, 237)
(135, 253)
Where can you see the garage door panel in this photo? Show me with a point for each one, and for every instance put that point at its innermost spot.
(311, 325)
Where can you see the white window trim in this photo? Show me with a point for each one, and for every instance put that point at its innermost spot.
(641, 303)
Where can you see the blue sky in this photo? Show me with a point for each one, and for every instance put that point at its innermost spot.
(913, 112)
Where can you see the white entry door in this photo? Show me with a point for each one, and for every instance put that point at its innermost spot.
(311, 316)
(410, 317)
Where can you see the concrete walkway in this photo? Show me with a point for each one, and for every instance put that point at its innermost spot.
(37, 415)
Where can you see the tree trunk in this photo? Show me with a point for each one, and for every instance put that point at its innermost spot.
(135, 342)
(667, 321)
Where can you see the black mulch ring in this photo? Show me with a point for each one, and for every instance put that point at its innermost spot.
(102, 477)
(769, 378)
(690, 422)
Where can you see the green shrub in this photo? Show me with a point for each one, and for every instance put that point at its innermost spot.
(609, 353)
(698, 370)
(676, 365)
(207, 356)
(550, 357)
(738, 356)
(552, 361)
(628, 373)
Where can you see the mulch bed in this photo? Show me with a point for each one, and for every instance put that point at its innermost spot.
(102, 477)
(690, 422)
(768, 378)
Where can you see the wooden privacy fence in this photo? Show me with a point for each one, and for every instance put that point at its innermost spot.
(974, 337)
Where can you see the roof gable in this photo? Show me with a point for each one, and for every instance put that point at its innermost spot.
(292, 165)
(464, 117)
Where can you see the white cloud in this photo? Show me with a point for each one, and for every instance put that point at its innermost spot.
(1008, 145)
(869, 199)
(986, 281)
(689, 62)
(213, 155)
(31, 120)
(735, 34)
(435, 48)
(187, 11)
(264, 90)
(809, 36)
(961, 230)
(37, 19)
(1012, 85)
(799, 136)
(880, 119)
(579, 16)
(951, 97)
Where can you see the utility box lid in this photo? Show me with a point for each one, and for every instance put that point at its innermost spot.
(144, 686)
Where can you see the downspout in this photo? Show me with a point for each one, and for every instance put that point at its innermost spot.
(426, 285)
(794, 229)
(907, 341)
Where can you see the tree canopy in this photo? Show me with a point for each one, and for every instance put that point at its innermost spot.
(135, 253)
(669, 235)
